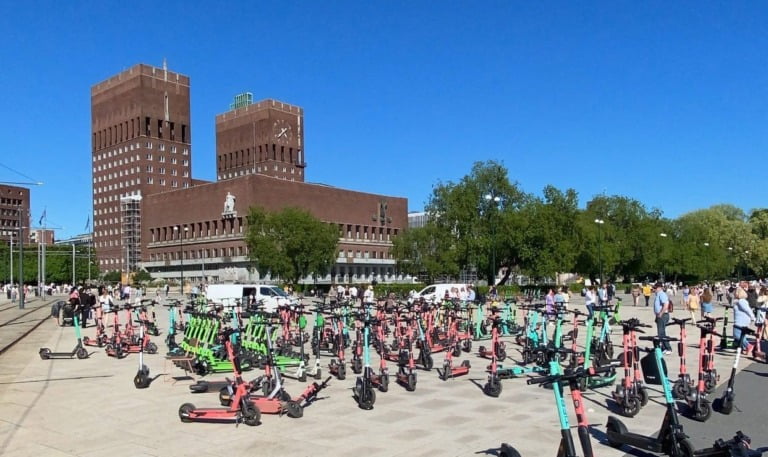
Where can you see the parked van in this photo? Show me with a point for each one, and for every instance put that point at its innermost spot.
(435, 292)
(227, 294)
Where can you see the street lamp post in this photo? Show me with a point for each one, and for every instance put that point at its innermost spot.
(706, 261)
(663, 278)
(21, 260)
(491, 197)
(181, 254)
(600, 223)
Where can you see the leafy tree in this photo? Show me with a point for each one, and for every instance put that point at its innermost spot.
(113, 276)
(425, 250)
(462, 210)
(291, 243)
(142, 276)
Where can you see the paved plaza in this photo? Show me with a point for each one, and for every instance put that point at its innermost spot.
(91, 408)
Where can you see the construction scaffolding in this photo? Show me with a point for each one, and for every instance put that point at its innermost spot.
(130, 211)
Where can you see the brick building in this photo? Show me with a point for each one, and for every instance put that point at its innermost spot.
(141, 144)
(142, 218)
(13, 199)
(189, 227)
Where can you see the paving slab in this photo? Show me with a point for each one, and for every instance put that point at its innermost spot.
(90, 408)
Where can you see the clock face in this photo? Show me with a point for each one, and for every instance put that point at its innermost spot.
(282, 131)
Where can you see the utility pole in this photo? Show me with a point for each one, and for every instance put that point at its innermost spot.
(21, 260)
(73, 265)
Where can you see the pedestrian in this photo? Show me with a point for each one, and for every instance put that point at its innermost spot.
(589, 301)
(647, 293)
(742, 315)
(368, 295)
(693, 303)
(353, 294)
(762, 307)
(471, 296)
(635, 294)
(661, 310)
(706, 303)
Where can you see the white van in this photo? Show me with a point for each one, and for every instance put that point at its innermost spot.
(227, 294)
(435, 292)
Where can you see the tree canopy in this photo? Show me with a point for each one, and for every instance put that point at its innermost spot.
(291, 243)
(486, 223)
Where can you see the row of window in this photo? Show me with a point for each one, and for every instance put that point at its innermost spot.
(199, 254)
(10, 201)
(115, 198)
(198, 229)
(364, 254)
(135, 128)
(366, 232)
(263, 169)
(244, 157)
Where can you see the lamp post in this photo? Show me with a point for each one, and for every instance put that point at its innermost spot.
(181, 253)
(706, 261)
(746, 254)
(600, 223)
(492, 197)
(663, 278)
(21, 260)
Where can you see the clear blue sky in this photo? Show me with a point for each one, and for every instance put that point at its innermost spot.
(665, 102)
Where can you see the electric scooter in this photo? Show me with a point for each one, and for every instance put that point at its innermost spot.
(240, 409)
(78, 351)
(683, 386)
(141, 380)
(699, 407)
(724, 404)
(337, 366)
(671, 439)
(630, 395)
(363, 392)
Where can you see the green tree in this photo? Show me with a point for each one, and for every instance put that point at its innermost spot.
(473, 221)
(142, 276)
(426, 251)
(291, 244)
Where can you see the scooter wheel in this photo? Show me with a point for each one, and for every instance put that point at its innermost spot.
(341, 373)
(631, 407)
(357, 366)
(686, 448)
(318, 373)
(614, 428)
(384, 382)
(155, 332)
(492, 388)
(710, 382)
(302, 377)
(86, 340)
(251, 414)
(45, 353)
(200, 387)
(703, 412)
(643, 395)
(411, 382)
(294, 409)
(81, 353)
(151, 348)
(184, 412)
(467, 347)
(724, 404)
(501, 354)
(508, 451)
(141, 380)
(456, 350)
(366, 399)
(680, 389)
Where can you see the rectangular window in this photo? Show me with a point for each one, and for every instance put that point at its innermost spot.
(147, 127)
(184, 134)
(159, 128)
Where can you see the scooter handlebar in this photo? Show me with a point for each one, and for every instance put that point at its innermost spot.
(658, 338)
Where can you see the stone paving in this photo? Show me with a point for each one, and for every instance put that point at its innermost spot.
(90, 408)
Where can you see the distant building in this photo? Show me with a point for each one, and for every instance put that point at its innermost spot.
(417, 219)
(13, 199)
(42, 236)
(84, 239)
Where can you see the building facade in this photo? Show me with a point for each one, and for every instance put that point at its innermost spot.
(265, 138)
(196, 231)
(12, 200)
(150, 213)
(141, 144)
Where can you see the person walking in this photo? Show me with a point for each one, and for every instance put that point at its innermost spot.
(661, 310)
(693, 303)
(589, 301)
(635, 294)
(742, 315)
(647, 293)
(706, 303)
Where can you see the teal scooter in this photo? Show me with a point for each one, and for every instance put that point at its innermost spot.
(79, 350)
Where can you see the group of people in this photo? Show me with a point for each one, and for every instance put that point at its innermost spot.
(748, 299)
(353, 294)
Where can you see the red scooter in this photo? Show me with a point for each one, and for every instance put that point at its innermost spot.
(241, 409)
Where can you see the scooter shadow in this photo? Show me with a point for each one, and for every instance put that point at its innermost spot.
(476, 383)
(490, 451)
(602, 438)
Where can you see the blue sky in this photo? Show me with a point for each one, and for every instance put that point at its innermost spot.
(664, 102)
